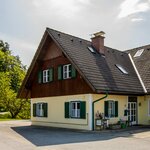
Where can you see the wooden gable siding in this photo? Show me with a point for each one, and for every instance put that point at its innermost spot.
(52, 56)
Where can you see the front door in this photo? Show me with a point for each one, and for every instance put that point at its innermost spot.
(132, 110)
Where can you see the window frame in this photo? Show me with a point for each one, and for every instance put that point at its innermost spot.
(76, 111)
(68, 110)
(111, 109)
(39, 110)
(46, 75)
(67, 71)
(91, 49)
(138, 53)
(122, 69)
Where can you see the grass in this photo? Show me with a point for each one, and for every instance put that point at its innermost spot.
(6, 116)
(8, 119)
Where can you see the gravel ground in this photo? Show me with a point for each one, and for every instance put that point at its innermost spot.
(20, 135)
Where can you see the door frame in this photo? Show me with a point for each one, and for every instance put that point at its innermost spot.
(133, 100)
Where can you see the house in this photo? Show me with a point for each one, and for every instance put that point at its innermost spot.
(140, 57)
(70, 80)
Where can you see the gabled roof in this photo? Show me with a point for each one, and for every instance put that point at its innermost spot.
(142, 63)
(99, 71)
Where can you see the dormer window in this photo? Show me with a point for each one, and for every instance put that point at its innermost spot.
(139, 53)
(122, 69)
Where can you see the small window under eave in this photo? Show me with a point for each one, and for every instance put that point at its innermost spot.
(122, 69)
(91, 49)
(139, 53)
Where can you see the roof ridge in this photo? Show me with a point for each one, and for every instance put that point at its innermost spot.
(137, 47)
(82, 39)
(120, 51)
(47, 28)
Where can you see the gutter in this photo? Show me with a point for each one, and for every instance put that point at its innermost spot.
(140, 79)
(93, 107)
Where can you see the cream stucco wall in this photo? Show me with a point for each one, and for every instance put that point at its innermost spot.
(56, 112)
(122, 105)
(142, 107)
(143, 116)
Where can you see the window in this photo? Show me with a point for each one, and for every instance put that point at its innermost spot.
(40, 109)
(75, 109)
(111, 108)
(66, 72)
(121, 69)
(91, 49)
(45, 76)
(149, 108)
(139, 53)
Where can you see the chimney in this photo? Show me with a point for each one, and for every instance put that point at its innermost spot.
(98, 42)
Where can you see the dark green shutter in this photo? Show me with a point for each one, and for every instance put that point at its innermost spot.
(125, 112)
(45, 108)
(48, 75)
(116, 108)
(60, 72)
(106, 108)
(66, 109)
(83, 110)
(40, 77)
(34, 110)
(73, 72)
(51, 74)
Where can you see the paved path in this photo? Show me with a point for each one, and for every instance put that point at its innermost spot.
(19, 135)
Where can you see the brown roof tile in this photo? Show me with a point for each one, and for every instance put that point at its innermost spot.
(142, 64)
(99, 71)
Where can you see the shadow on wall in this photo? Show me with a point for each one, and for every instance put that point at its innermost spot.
(44, 136)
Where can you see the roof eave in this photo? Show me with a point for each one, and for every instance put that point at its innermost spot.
(19, 95)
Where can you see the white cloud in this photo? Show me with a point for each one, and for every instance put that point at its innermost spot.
(131, 7)
(66, 8)
(137, 19)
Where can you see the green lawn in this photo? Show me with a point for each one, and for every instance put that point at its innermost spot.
(6, 116)
(8, 119)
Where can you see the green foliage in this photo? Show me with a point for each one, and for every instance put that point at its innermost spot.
(12, 73)
(5, 115)
(4, 46)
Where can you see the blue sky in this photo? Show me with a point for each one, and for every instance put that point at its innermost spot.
(23, 22)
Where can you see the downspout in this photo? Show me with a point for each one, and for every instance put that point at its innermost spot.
(93, 108)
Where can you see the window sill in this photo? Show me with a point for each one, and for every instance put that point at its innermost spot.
(66, 78)
(111, 117)
(45, 82)
(75, 118)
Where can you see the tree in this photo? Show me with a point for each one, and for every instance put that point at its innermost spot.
(12, 73)
(4, 46)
